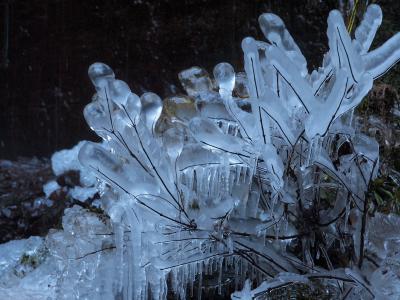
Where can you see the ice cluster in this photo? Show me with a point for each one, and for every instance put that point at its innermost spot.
(251, 181)
(258, 175)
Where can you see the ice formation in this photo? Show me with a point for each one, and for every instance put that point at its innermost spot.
(259, 187)
(249, 182)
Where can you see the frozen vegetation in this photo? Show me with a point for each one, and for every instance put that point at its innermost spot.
(250, 182)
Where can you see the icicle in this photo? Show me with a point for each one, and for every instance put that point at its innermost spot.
(232, 178)
(346, 216)
(200, 286)
(191, 278)
(314, 150)
(137, 272)
(119, 242)
(220, 266)
(351, 117)
(238, 173)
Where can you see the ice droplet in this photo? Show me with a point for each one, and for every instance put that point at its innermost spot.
(173, 141)
(224, 75)
(118, 91)
(151, 109)
(99, 74)
(96, 116)
(132, 108)
(94, 156)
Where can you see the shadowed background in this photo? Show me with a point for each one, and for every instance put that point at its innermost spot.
(47, 46)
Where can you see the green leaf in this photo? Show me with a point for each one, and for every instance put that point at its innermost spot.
(378, 198)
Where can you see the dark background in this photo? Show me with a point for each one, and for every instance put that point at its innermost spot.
(47, 46)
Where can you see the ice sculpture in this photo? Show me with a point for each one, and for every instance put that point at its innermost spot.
(260, 176)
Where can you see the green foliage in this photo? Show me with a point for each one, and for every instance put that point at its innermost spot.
(385, 193)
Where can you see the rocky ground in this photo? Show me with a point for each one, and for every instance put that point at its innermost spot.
(34, 195)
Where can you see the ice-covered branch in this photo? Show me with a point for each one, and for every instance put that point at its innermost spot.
(260, 173)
